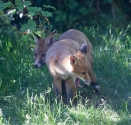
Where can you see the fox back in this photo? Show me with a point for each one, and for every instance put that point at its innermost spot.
(77, 36)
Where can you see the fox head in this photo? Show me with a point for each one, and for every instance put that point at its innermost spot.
(41, 47)
(79, 65)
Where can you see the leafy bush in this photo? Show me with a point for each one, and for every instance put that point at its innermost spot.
(81, 13)
(68, 14)
(23, 16)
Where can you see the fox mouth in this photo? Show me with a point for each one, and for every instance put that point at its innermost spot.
(77, 83)
(39, 65)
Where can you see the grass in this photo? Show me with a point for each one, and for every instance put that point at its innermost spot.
(27, 97)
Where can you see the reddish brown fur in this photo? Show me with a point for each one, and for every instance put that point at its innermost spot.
(65, 61)
(42, 45)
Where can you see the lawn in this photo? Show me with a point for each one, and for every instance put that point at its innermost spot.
(27, 96)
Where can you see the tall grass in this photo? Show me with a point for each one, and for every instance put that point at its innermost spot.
(27, 97)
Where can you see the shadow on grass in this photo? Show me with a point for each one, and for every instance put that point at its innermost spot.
(113, 76)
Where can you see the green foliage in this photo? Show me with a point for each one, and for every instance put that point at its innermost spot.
(78, 14)
(72, 4)
(22, 10)
(31, 25)
(5, 5)
(48, 6)
(107, 1)
(33, 10)
(4, 20)
(20, 5)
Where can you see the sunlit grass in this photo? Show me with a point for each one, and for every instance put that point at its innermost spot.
(26, 93)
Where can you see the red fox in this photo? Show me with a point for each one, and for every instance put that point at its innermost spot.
(42, 45)
(70, 59)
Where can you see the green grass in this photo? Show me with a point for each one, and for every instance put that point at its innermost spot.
(27, 97)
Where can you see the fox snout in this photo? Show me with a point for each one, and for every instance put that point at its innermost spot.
(39, 63)
(87, 82)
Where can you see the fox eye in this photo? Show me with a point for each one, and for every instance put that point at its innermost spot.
(83, 73)
(43, 55)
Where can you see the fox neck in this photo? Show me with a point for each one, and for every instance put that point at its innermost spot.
(69, 67)
(64, 67)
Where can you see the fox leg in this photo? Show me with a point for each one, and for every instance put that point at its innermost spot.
(58, 86)
(70, 89)
(94, 83)
(96, 87)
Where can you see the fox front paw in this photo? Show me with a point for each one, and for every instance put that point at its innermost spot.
(96, 87)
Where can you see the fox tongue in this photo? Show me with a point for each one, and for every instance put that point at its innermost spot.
(77, 82)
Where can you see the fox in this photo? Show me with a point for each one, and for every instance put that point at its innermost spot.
(41, 47)
(70, 59)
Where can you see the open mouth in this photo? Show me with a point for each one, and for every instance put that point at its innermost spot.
(77, 83)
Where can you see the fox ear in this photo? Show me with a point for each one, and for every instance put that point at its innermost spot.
(73, 60)
(83, 48)
(36, 37)
(50, 39)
